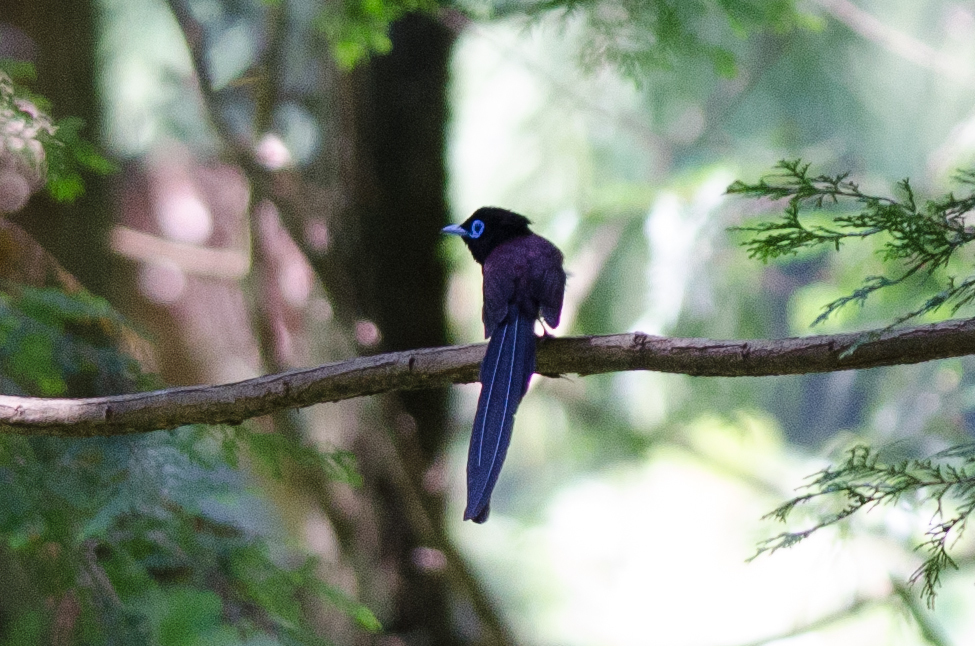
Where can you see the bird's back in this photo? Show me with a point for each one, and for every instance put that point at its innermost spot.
(526, 270)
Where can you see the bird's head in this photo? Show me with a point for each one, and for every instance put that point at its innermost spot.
(488, 227)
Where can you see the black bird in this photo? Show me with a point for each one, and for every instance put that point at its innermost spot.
(523, 278)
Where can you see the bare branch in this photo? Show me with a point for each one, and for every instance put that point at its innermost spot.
(437, 367)
(897, 42)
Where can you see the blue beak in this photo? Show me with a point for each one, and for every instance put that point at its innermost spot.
(455, 229)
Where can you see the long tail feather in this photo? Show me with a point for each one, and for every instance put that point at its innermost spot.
(507, 367)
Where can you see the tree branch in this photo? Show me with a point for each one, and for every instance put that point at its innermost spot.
(433, 367)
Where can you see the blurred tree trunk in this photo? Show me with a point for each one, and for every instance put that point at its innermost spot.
(397, 181)
(393, 112)
(59, 38)
(368, 219)
(63, 35)
(386, 157)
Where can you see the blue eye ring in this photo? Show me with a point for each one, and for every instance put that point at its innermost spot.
(477, 228)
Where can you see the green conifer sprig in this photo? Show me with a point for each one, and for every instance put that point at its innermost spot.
(863, 482)
(918, 239)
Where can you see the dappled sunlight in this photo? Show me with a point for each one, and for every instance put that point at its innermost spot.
(677, 233)
(655, 485)
(656, 552)
(268, 206)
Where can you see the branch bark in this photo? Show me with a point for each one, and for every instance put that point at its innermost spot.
(432, 367)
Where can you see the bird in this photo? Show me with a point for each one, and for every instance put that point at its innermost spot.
(523, 281)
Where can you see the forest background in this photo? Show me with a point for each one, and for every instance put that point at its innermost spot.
(265, 191)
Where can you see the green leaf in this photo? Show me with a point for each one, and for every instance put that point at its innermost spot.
(724, 63)
(360, 613)
(68, 156)
(18, 71)
(917, 242)
(193, 618)
(862, 483)
(163, 521)
(26, 629)
(274, 453)
(357, 29)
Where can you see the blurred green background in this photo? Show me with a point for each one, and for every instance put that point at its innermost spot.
(283, 169)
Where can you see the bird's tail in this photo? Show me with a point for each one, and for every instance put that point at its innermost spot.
(507, 367)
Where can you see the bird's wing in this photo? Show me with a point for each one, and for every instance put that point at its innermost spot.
(499, 291)
(548, 281)
(550, 291)
(505, 371)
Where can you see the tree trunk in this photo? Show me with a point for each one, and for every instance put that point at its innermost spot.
(61, 38)
(394, 181)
